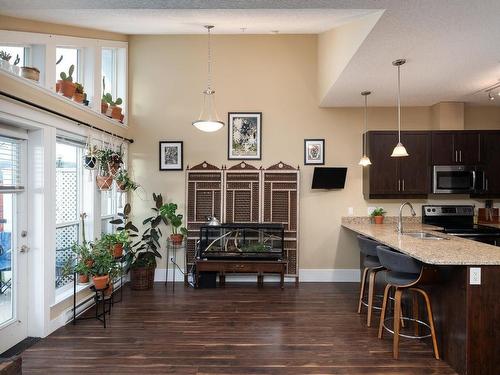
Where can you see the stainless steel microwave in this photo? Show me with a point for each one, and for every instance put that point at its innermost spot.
(457, 179)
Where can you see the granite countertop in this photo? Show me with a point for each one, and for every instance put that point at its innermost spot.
(449, 251)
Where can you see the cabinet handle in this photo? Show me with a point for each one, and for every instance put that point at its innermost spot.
(403, 184)
(460, 155)
(399, 185)
(487, 185)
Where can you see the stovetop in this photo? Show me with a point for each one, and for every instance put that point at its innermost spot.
(472, 230)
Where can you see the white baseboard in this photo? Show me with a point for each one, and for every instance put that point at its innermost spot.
(305, 275)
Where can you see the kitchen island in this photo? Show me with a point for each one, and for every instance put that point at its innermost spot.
(467, 316)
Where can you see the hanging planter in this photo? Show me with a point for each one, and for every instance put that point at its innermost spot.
(104, 182)
(90, 157)
(124, 183)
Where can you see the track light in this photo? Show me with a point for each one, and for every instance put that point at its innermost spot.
(491, 97)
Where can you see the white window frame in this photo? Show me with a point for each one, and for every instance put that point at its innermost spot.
(45, 59)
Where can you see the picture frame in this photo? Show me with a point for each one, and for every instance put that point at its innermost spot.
(314, 152)
(171, 156)
(244, 136)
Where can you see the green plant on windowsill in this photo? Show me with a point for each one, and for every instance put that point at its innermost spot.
(124, 181)
(114, 106)
(68, 88)
(378, 215)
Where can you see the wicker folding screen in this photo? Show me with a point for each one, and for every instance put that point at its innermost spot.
(244, 194)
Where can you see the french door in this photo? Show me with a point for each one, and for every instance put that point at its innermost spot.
(13, 243)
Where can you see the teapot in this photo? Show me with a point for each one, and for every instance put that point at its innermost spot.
(213, 221)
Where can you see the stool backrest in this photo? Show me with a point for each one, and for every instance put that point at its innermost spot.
(367, 246)
(398, 262)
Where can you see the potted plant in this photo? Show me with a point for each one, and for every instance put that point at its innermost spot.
(103, 265)
(175, 220)
(83, 271)
(15, 66)
(4, 60)
(378, 215)
(115, 161)
(78, 96)
(104, 179)
(113, 111)
(82, 258)
(90, 158)
(59, 81)
(68, 88)
(30, 72)
(115, 242)
(141, 259)
(124, 182)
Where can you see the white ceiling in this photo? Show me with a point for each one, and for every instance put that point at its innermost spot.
(451, 45)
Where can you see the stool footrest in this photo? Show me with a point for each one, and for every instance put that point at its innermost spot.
(390, 319)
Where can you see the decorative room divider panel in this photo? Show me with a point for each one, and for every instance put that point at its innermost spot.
(244, 193)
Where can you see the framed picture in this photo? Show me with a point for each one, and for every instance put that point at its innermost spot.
(244, 136)
(314, 151)
(171, 156)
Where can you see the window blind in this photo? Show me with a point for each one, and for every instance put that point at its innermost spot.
(11, 178)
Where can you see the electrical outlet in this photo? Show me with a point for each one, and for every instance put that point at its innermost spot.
(475, 276)
(350, 211)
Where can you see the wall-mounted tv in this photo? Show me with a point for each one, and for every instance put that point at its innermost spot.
(329, 178)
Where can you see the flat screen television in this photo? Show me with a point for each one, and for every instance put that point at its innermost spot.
(329, 178)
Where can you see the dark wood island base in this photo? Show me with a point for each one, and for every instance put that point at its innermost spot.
(223, 267)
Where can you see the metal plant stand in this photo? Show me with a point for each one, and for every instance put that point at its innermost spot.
(172, 250)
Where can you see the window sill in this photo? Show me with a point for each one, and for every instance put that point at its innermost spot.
(37, 86)
(66, 293)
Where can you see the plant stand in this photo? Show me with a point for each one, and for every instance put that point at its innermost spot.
(100, 300)
(173, 249)
(119, 260)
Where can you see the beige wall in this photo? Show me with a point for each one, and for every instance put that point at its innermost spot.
(272, 74)
(482, 117)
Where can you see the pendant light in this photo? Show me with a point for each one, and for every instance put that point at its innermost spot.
(209, 120)
(400, 150)
(365, 160)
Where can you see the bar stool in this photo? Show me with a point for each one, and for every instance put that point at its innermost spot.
(405, 273)
(371, 265)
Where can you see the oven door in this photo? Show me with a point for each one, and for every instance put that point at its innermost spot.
(456, 179)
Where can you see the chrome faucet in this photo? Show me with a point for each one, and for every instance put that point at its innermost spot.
(400, 220)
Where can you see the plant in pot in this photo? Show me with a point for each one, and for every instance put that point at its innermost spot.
(79, 93)
(378, 215)
(141, 259)
(4, 60)
(82, 262)
(59, 81)
(30, 72)
(68, 88)
(103, 265)
(90, 157)
(123, 181)
(113, 111)
(15, 66)
(115, 161)
(104, 179)
(169, 210)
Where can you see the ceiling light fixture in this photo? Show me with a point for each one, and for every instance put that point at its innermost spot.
(400, 150)
(491, 97)
(209, 120)
(365, 160)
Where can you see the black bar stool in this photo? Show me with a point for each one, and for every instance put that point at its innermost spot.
(405, 273)
(371, 265)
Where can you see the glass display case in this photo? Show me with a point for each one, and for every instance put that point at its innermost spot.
(242, 241)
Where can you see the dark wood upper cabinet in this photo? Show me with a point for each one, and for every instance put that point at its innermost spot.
(455, 147)
(390, 177)
(490, 161)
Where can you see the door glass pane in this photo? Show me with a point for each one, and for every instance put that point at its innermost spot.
(6, 261)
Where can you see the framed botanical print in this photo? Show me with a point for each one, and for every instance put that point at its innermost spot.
(171, 156)
(314, 151)
(244, 136)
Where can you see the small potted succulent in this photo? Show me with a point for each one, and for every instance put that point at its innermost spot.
(4, 60)
(78, 96)
(68, 88)
(123, 181)
(175, 220)
(90, 157)
(15, 66)
(113, 111)
(104, 179)
(378, 215)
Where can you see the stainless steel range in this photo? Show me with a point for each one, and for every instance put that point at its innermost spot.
(459, 221)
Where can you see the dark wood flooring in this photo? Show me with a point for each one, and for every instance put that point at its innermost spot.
(241, 329)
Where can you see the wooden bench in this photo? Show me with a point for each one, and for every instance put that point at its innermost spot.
(260, 267)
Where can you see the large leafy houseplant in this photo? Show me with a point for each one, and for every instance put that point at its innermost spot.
(169, 210)
(104, 267)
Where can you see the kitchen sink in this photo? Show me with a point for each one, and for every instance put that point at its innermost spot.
(424, 236)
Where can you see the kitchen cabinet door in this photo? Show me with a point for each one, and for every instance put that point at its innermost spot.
(381, 178)
(467, 147)
(415, 170)
(490, 160)
(442, 148)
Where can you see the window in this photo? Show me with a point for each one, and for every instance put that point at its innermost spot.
(23, 52)
(70, 56)
(114, 74)
(69, 192)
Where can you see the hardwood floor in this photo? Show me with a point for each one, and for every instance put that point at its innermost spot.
(313, 329)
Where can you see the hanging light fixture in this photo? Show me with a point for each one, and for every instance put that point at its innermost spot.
(400, 150)
(365, 160)
(209, 120)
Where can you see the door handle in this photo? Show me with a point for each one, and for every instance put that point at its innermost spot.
(24, 249)
(399, 185)
(403, 184)
(456, 156)
(460, 155)
(487, 185)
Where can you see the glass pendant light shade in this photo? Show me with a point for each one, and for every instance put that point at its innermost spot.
(209, 120)
(400, 150)
(365, 160)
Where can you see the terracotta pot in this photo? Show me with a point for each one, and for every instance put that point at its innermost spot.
(30, 73)
(176, 239)
(104, 182)
(58, 85)
(68, 89)
(116, 112)
(77, 97)
(118, 250)
(100, 281)
(379, 219)
(113, 168)
(109, 291)
(104, 107)
(83, 279)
